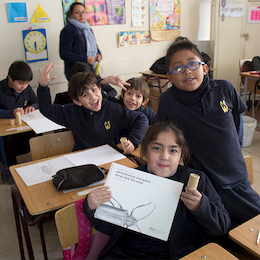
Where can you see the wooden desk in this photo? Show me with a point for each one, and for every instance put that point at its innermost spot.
(210, 251)
(44, 197)
(151, 73)
(4, 131)
(5, 126)
(248, 76)
(246, 234)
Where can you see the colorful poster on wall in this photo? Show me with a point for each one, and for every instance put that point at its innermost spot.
(138, 12)
(17, 12)
(123, 39)
(164, 19)
(40, 16)
(115, 11)
(96, 12)
(134, 38)
(145, 38)
(66, 6)
(254, 15)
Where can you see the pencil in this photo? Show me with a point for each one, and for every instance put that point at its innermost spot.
(258, 238)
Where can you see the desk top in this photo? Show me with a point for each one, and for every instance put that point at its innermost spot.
(249, 75)
(5, 126)
(246, 235)
(149, 72)
(210, 251)
(44, 197)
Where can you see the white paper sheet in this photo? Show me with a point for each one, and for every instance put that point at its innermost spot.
(43, 171)
(39, 123)
(98, 156)
(141, 201)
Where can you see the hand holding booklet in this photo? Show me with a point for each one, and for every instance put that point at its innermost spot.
(140, 201)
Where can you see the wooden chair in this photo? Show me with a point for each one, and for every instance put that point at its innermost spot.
(249, 166)
(68, 230)
(51, 145)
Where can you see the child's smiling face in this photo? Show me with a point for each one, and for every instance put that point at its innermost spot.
(164, 154)
(133, 99)
(189, 80)
(91, 98)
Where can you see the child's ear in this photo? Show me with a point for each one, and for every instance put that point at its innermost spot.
(78, 103)
(169, 77)
(205, 69)
(145, 101)
(9, 78)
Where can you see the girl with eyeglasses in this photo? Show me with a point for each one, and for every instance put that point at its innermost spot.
(77, 41)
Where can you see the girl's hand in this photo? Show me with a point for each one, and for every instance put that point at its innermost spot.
(191, 198)
(29, 109)
(98, 196)
(44, 77)
(129, 147)
(18, 109)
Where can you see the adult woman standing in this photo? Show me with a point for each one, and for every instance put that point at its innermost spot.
(77, 41)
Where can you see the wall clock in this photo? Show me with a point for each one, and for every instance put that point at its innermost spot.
(35, 45)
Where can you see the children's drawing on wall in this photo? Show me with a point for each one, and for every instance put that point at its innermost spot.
(138, 13)
(164, 19)
(116, 11)
(123, 39)
(96, 12)
(17, 12)
(134, 38)
(116, 214)
(145, 38)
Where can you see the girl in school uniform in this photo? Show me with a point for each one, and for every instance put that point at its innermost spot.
(199, 215)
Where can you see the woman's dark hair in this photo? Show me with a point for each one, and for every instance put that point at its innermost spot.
(165, 126)
(180, 43)
(79, 82)
(70, 11)
(20, 70)
(138, 84)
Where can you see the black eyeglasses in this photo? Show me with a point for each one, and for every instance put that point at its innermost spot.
(180, 69)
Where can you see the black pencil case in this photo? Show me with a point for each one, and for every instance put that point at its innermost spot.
(79, 176)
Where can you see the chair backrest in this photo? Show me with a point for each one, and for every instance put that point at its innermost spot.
(51, 144)
(69, 231)
(244, 66)
(249, 167)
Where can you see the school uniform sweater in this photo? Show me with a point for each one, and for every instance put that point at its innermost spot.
(9, 99)
(73, 47)
(189, 231)
(209, 128)
(92, 129)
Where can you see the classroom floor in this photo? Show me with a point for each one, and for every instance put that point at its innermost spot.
(9, 248)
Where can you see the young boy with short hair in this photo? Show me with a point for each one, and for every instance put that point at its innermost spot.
(206, 110)
(136, 96)
(93, 120)
(16, 95)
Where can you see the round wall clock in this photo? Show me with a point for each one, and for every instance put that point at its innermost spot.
(35, 41)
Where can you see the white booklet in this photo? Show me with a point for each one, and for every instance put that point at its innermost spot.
(141, 201)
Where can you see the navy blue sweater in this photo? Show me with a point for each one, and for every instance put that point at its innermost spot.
(189, 231)
(91, 129)
(9, 99)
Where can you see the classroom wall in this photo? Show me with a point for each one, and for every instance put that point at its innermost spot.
(127, 62)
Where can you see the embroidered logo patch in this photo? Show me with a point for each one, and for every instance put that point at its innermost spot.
(224, 106)
(107, 125)
(25, 103)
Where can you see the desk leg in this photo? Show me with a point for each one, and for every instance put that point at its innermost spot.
(2, 148)
(19, 216)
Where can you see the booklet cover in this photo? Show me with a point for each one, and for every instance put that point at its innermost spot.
(140, 201)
